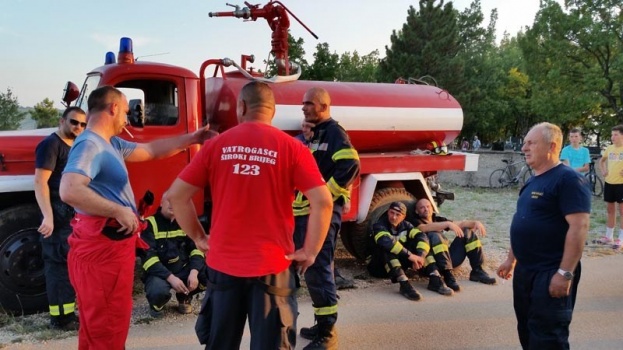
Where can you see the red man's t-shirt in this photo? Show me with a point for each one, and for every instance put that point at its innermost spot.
(252, 171)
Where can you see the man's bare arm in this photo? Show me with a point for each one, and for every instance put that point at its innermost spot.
(574, 242)
(603, 165)
(321, 207)
(584, 168)
(42, 194)
(441, 226)
(559, 286)
(507, 267)
(474, 225)
(167, 147)
(75, 191)
(180, 196)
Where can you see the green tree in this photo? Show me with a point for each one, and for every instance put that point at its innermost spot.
(325, 66)
(45, 114)
(358, 68)
(575, 58)
(483, 75)
(427, 46)
(10, 116)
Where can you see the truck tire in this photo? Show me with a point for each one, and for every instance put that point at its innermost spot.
(22, 282)
(356, 236)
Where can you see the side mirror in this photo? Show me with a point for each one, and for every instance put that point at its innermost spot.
(70, 93)
(136, 116)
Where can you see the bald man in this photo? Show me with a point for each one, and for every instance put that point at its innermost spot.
(252, 171)
(339, 164)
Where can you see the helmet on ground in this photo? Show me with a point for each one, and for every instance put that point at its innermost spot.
(438, 148)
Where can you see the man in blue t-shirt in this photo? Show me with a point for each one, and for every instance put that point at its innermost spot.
(95, 182)
(547, 234)
(575, 155)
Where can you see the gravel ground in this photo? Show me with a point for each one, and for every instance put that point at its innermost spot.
(493, 207)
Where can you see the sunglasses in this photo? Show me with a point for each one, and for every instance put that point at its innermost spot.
(76, 123)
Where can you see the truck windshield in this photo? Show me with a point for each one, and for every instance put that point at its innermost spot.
(90, 84)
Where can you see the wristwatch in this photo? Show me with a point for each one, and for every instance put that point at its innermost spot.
(566, 274)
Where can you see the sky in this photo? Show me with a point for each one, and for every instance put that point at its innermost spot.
(43, 43)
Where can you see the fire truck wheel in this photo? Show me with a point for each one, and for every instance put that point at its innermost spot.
(357, 237)
(22, 282)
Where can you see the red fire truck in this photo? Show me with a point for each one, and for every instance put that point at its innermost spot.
(394, 127)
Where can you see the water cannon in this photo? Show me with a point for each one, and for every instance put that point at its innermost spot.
(244, 13)
(276, 14)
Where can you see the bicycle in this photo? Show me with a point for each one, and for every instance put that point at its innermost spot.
(595, 183)
(509, 175)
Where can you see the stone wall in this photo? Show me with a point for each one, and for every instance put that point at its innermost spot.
(488, 161)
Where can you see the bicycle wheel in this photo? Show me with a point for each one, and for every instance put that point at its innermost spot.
(526, 175)
(499, 178)
(595, 183)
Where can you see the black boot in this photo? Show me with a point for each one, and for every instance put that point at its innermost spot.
(450, 280)
(407, 290)
(67, 322)
(479, 275)
(342, 282)
(309, 332)
(436, 285)
(326, 335)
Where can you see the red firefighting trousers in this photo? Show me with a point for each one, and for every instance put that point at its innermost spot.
(101, 271)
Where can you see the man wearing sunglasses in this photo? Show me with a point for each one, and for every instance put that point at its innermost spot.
(50, 159)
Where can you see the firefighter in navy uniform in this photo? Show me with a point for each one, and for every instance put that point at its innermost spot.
(465, 245)
(171, 262)
(397, 245)
(338, 162)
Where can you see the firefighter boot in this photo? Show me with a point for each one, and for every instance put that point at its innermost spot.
(67, 322)
(479, 275)
(309, 332)
(326, 335)
(436, 285)
(342, 282)
(184, 306)
(407, 290)
(448, 276)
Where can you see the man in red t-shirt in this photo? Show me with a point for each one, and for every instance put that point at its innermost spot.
(252, 171)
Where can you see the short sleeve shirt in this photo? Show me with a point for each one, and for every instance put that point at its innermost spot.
(539, 228)
(576, 157)
(51, 154)
(614, 155)
(103, 163)
(252, 171)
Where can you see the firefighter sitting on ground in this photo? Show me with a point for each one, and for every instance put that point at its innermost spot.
(398, 246)
(466, 244)
(171, 262)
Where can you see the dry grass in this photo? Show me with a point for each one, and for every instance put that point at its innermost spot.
(495, 209)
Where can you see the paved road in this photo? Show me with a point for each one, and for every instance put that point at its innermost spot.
(479, 317)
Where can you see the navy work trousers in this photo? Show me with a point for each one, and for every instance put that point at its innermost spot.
(269, 302)
(54, 250)
(542, 321)
(319, 276)
(158, 290)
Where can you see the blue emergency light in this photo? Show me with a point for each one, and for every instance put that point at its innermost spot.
(125, 45)
(110, 58)
(125, 51)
